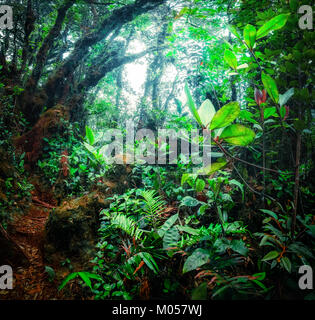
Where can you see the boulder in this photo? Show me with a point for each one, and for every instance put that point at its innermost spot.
(72, 228)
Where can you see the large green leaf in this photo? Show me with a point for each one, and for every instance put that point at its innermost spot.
(93, 276)
(206, 112)
(189, 230)
(85, 278)
(213, 167)
(89, 135)
(271, 87)
(192, 106)
(284, 98)
(200, 185)
(270, 256)
(268, 112)
(250, 35)
(222, 244)
(171, 237)
(67, 279)
(149, 261)
(230, 58)
(233, 30)
(198, 258)
(274, 24)
(271, 213)
(238, 135)
(225, 115)
(239, 247)
(167, 225)
(188, 177)
(260, 276)
(189, 202)
(90, 148)
(286, 263)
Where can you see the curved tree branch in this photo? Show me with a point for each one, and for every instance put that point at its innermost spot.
(42, 54)
(108, 64)
(119, 17)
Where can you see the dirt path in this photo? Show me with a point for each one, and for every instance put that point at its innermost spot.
(31, 283)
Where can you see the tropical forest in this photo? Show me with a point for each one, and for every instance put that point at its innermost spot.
(157, 150)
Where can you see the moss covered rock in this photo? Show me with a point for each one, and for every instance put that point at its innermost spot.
(71, 230)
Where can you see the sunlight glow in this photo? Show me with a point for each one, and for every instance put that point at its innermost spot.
(136, 74)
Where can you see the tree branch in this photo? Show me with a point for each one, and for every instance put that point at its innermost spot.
(108, 64)
(28, 29)
(118, 18)
(41, 56)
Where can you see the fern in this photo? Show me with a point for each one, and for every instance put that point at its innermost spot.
(154, 204)
(120, 221)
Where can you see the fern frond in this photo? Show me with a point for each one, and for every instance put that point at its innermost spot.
(120, 221)
(154, 204)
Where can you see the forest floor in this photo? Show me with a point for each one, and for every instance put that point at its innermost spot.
(31, 282)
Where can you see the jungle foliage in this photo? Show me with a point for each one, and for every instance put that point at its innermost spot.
(241, 71)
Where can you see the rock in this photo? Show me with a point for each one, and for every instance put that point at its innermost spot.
(71, 229)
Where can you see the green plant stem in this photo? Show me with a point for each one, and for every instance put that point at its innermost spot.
(264, 158)
(297, 182)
